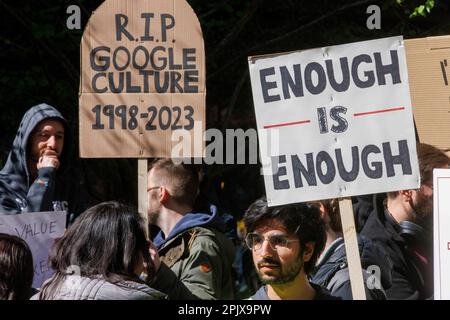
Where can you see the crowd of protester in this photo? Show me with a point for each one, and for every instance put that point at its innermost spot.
(293, 252)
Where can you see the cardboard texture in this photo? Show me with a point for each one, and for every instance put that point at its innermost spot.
(142, 80)
(428, 61)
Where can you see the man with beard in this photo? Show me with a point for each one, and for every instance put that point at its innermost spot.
(403, 226)
(36, 174)
(285, 242)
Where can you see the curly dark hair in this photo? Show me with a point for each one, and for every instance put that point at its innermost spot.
(300, 218)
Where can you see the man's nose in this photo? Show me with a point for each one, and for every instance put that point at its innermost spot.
(51, 142)
(266, 249)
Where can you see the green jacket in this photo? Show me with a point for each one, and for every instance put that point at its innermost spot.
(196, 264)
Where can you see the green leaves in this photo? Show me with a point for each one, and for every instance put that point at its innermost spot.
(413, 10)
(422, 10)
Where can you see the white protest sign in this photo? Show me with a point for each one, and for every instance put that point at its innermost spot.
(441, 244)
(39, 230)
(343, 118)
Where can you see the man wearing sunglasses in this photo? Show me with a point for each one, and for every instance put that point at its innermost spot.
(285, 242)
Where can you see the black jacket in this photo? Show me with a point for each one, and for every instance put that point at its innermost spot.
(412, 262)
(53, 189)
(332, 270)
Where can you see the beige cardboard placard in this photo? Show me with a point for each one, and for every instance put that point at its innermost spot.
(138, 134)
(142, 80)
(428, 61)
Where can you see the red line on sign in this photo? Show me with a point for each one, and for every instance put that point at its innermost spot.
(378, 111)
(448, 245)
(286, 124)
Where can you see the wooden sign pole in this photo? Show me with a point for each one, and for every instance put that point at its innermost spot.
(351, 249)
(142, 192)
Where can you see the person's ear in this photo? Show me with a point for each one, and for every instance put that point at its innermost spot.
(406, 195)
(323, 211)
(308, 251)
(164, 195)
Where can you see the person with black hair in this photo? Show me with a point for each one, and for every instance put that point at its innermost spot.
(102, 256)
(16, 268)
(285, 242)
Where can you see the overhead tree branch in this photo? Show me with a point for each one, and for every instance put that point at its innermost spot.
(234, 97)
(213, 10)
(238, 27)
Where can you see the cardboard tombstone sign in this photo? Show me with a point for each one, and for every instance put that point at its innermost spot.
(142, 79)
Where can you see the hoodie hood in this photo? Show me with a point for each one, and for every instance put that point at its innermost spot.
(194, 219)
(15, 172)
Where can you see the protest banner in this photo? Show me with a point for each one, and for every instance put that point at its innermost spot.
(343, 118)
(441, 243)
(142, 78)
(350, 108)
(39, 230)
(428, 61)
(142, 83)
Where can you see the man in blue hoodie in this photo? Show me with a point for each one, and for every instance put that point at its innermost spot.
(196, 257)
(35, 176)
